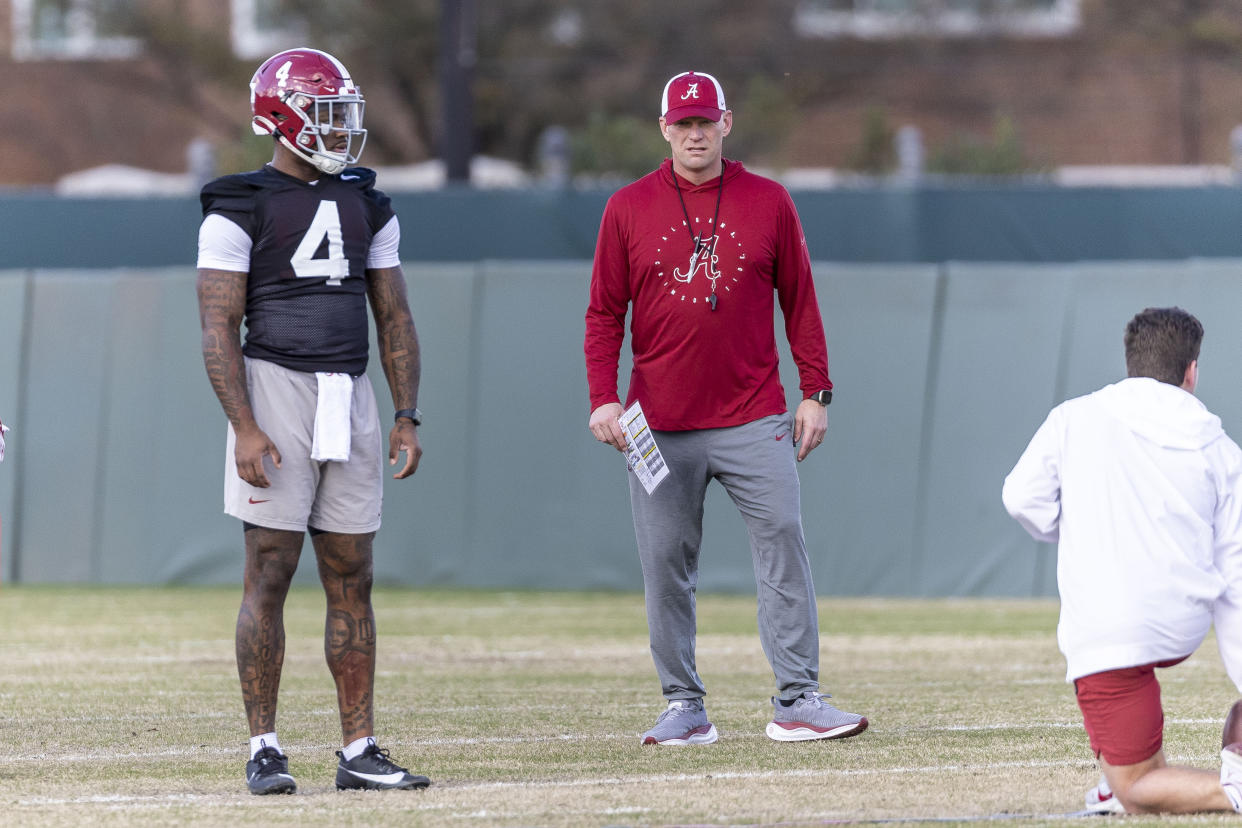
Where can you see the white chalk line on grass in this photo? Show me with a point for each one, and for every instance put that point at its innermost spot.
(1032, 726)
(176, 752)
(792, 773)
(296, 749)
(151, 802)
(405, 710)
(157, 801)
(609, 781)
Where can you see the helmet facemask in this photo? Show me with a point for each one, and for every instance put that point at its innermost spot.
(327, 119)
(324, 121)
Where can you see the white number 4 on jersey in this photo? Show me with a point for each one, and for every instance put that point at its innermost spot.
(327, 223)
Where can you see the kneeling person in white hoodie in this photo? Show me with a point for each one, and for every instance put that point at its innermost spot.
(1141, 489)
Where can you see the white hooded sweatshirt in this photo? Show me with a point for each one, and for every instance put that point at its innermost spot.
(1139, 484)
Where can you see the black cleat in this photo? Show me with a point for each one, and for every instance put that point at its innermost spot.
(268, 773)
(373, 770)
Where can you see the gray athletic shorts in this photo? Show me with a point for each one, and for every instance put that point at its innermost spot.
(331, 496)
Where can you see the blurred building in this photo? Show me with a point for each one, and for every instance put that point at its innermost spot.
(86, 85)
(1078, 84)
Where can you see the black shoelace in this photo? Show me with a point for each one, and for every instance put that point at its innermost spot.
(382, 758)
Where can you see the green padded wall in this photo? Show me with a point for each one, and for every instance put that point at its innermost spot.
(942, 374)
(13, 297)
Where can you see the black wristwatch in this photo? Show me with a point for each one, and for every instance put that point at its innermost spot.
(410, 414)
(821, 397)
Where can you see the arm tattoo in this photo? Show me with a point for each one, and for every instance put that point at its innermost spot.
(221, 305)
(398, 340)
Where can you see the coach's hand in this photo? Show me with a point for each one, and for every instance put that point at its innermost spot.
(252, 445)
(404, 437)
(606, 425)
(810, 426)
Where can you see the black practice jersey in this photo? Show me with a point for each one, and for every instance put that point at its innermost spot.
(306, 303)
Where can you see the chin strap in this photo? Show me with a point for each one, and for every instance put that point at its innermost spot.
(323, 163)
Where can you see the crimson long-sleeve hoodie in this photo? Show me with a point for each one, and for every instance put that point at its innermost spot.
(695, 367)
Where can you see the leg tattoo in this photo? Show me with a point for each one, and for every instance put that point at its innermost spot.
(349, 629)
(271, 559)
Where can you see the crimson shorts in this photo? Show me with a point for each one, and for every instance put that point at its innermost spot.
(1121, 712)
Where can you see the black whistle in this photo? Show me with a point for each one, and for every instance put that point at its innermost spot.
(712, 299)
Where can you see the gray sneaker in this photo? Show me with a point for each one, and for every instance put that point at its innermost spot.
(810, 717)
(683, 723)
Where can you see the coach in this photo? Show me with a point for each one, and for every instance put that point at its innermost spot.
(697, 249)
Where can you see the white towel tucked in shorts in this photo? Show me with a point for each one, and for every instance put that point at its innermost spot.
(3, 428)
(332, 426)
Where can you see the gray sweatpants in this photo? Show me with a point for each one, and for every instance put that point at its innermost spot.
(756, 463)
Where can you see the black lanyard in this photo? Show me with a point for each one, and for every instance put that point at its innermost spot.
(699, 242)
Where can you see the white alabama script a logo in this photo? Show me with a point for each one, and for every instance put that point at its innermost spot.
(704, 258)
(691, 92)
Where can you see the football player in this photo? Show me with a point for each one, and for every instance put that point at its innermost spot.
(296, 249)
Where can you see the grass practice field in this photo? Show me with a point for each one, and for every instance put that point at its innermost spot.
(120, 706)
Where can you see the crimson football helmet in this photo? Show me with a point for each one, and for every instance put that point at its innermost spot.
(308, 101)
